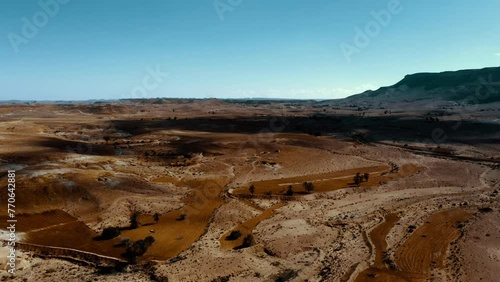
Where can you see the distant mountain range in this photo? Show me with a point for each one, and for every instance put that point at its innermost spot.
(462, 85)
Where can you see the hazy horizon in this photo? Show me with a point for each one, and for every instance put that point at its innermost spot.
(202, 98)
(62, 50)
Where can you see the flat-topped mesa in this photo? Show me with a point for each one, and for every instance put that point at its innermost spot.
(476, 85)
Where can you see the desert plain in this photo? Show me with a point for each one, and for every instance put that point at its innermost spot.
(253, 190)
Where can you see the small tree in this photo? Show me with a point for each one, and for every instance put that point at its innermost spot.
(286, 275)
(110, 233)
(357, 178)
(149, 240)
(125, 242)
(366, 176)
(289, 192)
(156, 217)
(247, 242)
(235, 234)
(308, 186)
(134, 219)
(251, 189)
(138, 248)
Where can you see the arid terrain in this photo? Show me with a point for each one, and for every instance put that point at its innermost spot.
(241, 190)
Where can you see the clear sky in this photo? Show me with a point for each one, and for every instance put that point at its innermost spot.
(110, 49)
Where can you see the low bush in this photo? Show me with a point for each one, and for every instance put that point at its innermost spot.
(110, 233)
(234, 235)
(286, 275)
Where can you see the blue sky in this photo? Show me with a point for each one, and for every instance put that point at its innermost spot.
(94, 49)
